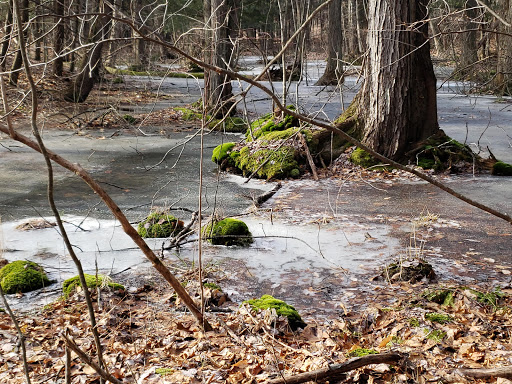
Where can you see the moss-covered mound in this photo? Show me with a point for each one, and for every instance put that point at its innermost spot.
(228, 232)
(267, 161)
(22, 276)
(282, 309)
(222, 151)
(442, 153)
(274, 149)
(231, 124)
(159, 224)
(502, 169)
(69, 285)
(271, 123)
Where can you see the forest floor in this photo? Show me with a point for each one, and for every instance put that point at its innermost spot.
(438, 327)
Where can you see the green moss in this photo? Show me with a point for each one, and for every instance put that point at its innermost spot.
(129, 119)
(222, 151)
(22, 276)
(281, 308)
(212, 286)
(362, 158)
(502, 169)
(280, 135)
(159, 224)
(69, 285)
(436, 335)
(228, 232)
(278, 163)
(413, 322)
(189, 114)
(360, 352)
(232, 124)
(438, 317)
(164, 371)
(490, 298)
(440, 296)
(440, 152)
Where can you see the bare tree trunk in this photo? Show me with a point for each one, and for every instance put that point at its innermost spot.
(503, 80)
(469, 40)
(217, 89)
(90, 66)
(397, 103)
(37, 33)
(58, 38)
(18, 60)
(7, 37)
(351, 29)
(334, 69)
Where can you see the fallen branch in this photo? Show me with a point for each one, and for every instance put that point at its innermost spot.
(308, 156)
(337, 369)
(87, 360)
(267, 195)
(485, 373)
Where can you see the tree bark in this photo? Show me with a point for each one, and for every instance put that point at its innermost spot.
(7, 37)
(90, 66)
(469, 40)
(333, 74)
(58, 38)
(397, 105)
(217, 89)
(18, 60)
(503, 80)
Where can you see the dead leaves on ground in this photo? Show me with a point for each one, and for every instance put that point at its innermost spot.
(149, 339)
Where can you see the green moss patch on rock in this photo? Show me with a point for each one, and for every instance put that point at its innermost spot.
(221, 152)
(228, 231)
(159, 225)
(270, 123)
(231, 124)
(268, 163)
(22, 276)
(281, 308)
(501, 168)
(69, 285)
(362, 158)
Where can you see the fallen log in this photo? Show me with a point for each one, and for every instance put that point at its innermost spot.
(485, 373)
(337, 369)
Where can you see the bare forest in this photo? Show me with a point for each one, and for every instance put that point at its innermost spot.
(248, 191)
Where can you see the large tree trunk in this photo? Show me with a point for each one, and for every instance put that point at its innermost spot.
(334, 69)
(397, 106)
(218, 51)
(503, 80)
(83, 83)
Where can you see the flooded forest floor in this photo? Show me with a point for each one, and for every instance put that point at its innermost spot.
(321, 246)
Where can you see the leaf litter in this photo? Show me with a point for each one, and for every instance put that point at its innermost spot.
(148, 337)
